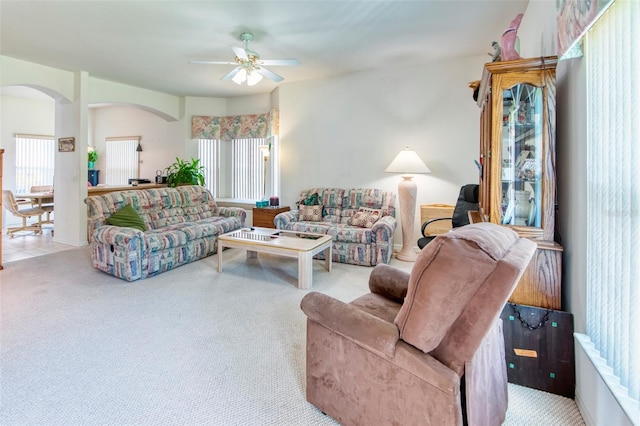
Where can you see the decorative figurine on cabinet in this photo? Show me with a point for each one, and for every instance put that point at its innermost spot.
(509, 40)
(495, 56)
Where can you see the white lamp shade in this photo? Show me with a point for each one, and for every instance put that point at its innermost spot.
(407, 161)
(240, 77)
(253, 78)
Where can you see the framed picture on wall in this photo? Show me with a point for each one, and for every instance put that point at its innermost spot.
(66, 144)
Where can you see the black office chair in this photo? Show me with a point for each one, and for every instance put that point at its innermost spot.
(467, 200)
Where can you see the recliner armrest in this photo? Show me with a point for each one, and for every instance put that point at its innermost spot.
(389, 282)
(360, 327)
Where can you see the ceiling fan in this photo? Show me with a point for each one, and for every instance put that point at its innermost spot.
(249, 67)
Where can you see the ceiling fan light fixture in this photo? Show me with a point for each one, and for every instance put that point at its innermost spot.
(240, 77)
(249, 68)
(253, 78)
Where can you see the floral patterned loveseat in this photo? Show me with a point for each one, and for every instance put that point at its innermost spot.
(182, 225)
(366, 242)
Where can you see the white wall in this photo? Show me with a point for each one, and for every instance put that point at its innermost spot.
(344, 131)
(255, 104)
(161, 141)
(21, 115)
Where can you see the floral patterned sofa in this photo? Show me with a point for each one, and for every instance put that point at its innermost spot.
(181, 225)
(360, 221)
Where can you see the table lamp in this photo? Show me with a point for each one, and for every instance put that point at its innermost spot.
(407, 162)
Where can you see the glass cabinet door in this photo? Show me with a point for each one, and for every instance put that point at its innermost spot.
(521, 156)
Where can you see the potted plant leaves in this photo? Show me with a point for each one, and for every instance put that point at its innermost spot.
(92, 157)
(185, 173)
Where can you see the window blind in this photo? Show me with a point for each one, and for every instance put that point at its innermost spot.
(35, 161)
(209, 155)
(613, 203)
(248, 169)
(236, 168)
(121, 163)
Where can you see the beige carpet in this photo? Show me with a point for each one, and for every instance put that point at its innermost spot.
(190, 346)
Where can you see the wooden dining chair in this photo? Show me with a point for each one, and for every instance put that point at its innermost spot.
(9, 202)
(47, 205)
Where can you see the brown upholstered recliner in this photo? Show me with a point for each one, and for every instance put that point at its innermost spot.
(424, 348)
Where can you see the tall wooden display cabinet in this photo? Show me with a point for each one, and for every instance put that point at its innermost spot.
(518, 166)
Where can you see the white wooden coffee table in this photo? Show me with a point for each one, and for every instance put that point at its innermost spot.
(300, 245)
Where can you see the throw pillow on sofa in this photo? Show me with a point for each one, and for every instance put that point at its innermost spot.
(311, 213)
(311, 200)
(127, 217)
(365, 217)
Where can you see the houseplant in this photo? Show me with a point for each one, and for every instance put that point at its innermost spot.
(92, 157)
(185, 172)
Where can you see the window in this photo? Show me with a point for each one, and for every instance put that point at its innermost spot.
(35, 161)
(122, 160)
(613, 203)
(229, 148)
(237, 169)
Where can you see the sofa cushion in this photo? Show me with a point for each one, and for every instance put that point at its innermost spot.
(311, 213)
(331, 200)
(372, 198)
(127, 217)
(315, 227)
(351, 234)
(365, 217)
(310, 200)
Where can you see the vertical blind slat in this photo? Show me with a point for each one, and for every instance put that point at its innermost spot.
(121, 162)
(245, 166)
(613, 202)
(35, 161)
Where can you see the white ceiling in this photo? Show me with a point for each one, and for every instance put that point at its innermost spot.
(148, 43)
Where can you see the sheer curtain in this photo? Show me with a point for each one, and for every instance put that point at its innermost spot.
(613, 204)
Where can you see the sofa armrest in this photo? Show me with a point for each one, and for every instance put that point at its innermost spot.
(384, 228)
(116, 235)
(389, 282)
(282, 220)
(360, 327)
(231, 212)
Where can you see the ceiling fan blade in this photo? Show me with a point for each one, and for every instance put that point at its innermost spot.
(289, 61)
(240, 53)
(213, 62)
(231, 74)
(269, 74)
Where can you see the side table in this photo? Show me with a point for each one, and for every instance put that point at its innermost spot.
(263, 216)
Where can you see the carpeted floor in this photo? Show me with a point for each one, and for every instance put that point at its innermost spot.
(190, 346)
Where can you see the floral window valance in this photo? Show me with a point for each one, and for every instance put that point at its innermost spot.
(235, 126)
